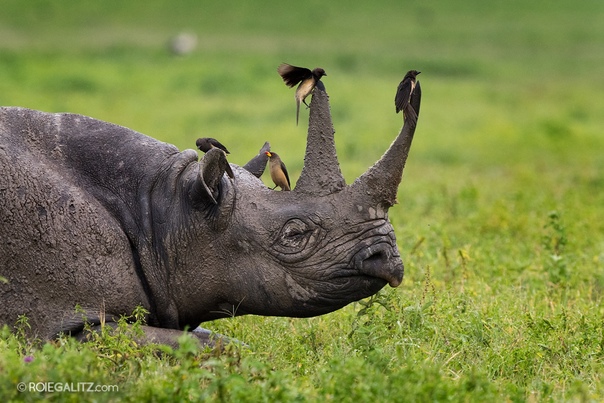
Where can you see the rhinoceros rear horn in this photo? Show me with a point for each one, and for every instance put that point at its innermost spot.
(321, 173)
(212, 167)
(381, 181)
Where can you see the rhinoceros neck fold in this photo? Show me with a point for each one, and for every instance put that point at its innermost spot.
(131, 175)
(321, 174)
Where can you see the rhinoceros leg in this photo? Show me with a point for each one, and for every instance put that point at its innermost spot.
(169, 337)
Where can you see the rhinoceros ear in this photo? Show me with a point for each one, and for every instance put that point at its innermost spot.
(212, 167)
(257, 164)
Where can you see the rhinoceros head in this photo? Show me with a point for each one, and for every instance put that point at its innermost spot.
(301, 253)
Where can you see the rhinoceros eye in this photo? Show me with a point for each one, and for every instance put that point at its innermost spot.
(294, 236)
(294, 228)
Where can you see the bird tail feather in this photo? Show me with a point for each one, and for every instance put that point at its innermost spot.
(297, 112)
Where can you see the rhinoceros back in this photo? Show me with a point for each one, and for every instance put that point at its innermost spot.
(60, 177)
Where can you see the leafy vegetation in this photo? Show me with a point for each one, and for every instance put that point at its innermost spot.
(500, 221)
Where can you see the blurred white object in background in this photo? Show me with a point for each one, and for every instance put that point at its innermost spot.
(183, 43)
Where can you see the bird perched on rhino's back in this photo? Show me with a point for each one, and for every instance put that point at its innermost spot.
(205, 144)
(256, 165)
(293, 75)
(403, 94)
(278, 171)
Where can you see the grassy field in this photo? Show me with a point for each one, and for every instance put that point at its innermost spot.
(501, 214)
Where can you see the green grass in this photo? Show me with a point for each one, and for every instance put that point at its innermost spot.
(500, 221)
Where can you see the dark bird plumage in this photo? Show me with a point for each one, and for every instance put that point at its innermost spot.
(293, 75)
(257, 164)
(278, 171)
(403, 93)
(205, 144)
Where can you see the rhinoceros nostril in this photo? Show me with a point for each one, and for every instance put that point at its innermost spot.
(374, 263)
(377, 258)
(380, 262)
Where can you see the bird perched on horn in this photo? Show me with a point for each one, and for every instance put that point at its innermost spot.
(293, 75)
(403, 94)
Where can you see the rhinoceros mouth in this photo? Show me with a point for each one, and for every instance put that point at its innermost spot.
(380, 261)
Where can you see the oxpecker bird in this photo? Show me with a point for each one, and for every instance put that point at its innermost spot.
(278, 171)
(257, 165)
(403, 94)
(293, 75)
(205, 144)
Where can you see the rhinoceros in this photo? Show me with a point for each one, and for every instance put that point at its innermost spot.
(97, 219)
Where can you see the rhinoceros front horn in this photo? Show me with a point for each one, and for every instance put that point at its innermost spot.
(321, 173)
(381, 181)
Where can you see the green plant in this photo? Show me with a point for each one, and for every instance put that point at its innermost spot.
(554, 242)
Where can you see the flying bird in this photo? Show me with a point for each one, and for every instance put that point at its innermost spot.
(278, 171)
(205, 144)
(403, 93)
(293, 75)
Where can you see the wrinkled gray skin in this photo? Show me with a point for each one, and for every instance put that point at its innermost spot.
(99, 216)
